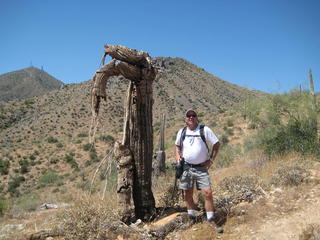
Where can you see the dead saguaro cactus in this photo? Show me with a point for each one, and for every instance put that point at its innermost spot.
(160, 155)
(135, 151)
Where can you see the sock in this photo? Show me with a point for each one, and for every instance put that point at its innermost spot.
(210, 215)
(191, 212)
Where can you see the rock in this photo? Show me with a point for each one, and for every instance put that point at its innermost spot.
(46, 206)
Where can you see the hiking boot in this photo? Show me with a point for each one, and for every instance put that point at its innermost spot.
(219, 229)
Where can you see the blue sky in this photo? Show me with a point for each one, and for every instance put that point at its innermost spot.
(267, 45)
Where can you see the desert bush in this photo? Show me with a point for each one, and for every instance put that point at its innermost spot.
(287, 123)
(87, 147)
(298, 136)
(90, 219)
(290, 174)
(52, 140)
(69, 159)
(170, 196)
(224, 139)
(24, 164)
(14, 184)
(54, 160)
(59, 145)
(240, 188)
(230, 122)
(226, 156)
(107, 139)
(229, 131)
(311, 232)
(28, 202)
(93, 156)
(3, 206)
(4, 166)
(48, 178)
(82, 135)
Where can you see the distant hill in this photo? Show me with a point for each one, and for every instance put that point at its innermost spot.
(26, 83)
(50, 131)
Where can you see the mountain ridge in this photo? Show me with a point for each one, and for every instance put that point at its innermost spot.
(57, 123)
(26, 83)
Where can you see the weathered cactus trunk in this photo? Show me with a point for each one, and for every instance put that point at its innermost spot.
(135, 151)
(313, 96)
(161, 155)
(141, 144)
(313, 118)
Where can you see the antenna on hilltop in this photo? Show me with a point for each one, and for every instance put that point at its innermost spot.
(31, 64)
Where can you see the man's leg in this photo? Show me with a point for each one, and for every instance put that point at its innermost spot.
(208, 202)
(189, 201)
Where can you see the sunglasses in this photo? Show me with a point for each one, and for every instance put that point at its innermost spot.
(191, 115)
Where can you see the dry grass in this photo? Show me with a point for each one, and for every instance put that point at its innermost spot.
(89, 218)
(312, 232)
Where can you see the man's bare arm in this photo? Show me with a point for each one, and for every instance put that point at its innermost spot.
(178, 153)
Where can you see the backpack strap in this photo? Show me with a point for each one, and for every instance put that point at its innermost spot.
(202, 136)
(183, 136)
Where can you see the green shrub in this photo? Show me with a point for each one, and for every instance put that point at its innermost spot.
(83, 135)
(49, 178)
(28, 202)
(52, 140)
(230, 122)
(3, 206)
(107, 139)
(229, 131)
(224, 140)
(14, 184)
(68, 158)
(24, 166)
(296, 135)
(287, 123)
(59, 145)
(93, 156)
(226, 156)
(4, 166)
(87, 146)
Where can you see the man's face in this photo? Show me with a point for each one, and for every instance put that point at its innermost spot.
(191, 118)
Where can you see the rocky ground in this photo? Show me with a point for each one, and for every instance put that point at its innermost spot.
(278, 214)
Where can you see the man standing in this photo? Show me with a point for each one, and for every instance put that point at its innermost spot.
(192, 148)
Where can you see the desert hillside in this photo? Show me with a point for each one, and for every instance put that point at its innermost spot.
(267, 170)
(27, 83)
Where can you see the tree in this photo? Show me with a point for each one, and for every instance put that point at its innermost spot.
(134, 153)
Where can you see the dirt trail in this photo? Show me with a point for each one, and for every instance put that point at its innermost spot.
(283, 227)
(281, 215)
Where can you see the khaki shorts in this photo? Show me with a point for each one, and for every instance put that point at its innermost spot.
(195, 175)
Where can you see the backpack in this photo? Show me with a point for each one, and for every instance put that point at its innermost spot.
(183, 136)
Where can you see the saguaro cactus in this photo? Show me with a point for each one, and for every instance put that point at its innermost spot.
(135, 151)
(161, 155)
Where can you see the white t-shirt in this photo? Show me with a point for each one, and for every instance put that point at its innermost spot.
(194, 150)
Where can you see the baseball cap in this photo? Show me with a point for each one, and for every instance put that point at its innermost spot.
(190, 110)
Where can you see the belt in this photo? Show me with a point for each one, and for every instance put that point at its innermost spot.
(195, 165)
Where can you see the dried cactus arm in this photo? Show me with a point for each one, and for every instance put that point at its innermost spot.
(128, 55)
